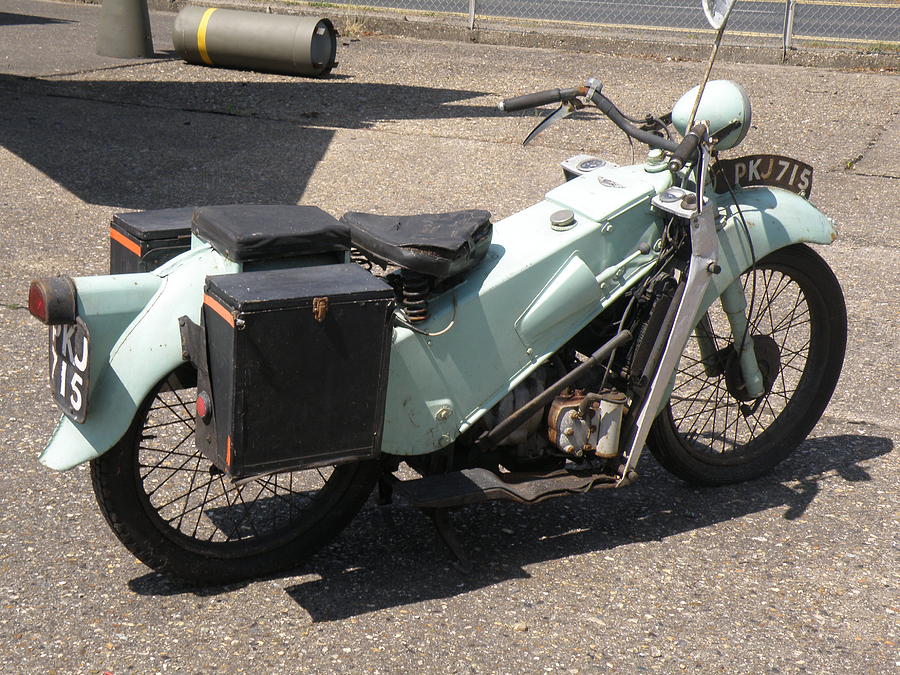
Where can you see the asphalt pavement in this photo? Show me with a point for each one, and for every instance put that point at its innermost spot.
(794, 572)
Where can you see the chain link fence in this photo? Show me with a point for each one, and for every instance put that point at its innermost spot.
(859, 23)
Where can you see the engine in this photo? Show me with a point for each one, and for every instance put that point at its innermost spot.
(578, 425)
(584, 424)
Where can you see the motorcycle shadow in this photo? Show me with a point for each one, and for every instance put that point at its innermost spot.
(392, 556)
(159, 144)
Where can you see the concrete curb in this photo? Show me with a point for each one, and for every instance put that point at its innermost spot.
(356, 21)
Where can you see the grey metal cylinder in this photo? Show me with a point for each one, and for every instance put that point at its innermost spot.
(612, 406)
(125, 29)
(277, 43)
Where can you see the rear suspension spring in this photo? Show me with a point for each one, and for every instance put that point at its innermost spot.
(358, 257)
(415, 296)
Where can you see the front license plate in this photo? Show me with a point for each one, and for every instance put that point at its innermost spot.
(773, 170)
(69, 368)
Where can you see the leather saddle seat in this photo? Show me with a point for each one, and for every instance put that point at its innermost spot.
(251, 232)
(437, 245)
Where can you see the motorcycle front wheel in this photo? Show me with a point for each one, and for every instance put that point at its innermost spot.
(709, 434)
(179, 514)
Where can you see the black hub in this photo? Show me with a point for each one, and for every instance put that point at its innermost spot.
(768, 356)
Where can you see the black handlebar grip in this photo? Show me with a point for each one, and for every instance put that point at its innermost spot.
(687, 147)
(536, 99)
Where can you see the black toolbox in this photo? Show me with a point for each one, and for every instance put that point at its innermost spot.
(141, 241)
(295, 370)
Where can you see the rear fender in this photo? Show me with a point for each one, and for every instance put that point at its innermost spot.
(135, 342)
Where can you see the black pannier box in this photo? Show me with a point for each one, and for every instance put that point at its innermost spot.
(143, 240)
(296, 368)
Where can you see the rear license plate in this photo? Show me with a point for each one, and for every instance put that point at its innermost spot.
(69, 368)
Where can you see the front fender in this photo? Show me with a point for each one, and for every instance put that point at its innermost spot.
(146, 350)
(775, 218)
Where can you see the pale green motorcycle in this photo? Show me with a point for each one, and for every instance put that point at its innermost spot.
(239, 402)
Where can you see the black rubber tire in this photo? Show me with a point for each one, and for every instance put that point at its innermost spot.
(702, 436)
(218, 537)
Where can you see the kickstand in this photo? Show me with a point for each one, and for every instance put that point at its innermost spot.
(441, 519)
(385, 490)
(385, 499)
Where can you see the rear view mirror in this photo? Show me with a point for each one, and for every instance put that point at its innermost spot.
(717, 11)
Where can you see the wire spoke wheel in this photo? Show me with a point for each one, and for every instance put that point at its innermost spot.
(711, 432)
(180, 514)
(194, 498)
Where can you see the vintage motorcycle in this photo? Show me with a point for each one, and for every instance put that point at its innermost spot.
(242, 381)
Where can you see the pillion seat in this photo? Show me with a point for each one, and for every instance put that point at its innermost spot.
(437, 245)
(250, 232)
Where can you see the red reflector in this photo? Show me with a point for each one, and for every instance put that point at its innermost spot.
(37, 302)
(203, 407)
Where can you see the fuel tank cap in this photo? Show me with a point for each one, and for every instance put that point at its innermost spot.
(563, 219)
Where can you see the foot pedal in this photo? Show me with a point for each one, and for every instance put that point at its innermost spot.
(472, 486)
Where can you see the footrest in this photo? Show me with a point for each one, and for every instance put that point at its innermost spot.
(472, 486)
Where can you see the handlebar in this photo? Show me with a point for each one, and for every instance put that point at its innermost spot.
(609, 109)
(687, 147)
(606, 106)
(540, 98)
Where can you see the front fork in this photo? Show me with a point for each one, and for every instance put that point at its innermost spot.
(735, 305)
(703, 265)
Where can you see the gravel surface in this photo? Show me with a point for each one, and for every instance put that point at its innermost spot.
(795, 572)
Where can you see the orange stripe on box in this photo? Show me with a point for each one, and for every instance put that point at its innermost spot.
(219, 309)
(228, 452)
(121, 239)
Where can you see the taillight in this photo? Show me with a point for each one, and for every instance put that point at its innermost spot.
(52, 300)
(37, 303)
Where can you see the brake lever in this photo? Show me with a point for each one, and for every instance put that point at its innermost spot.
(564, 110)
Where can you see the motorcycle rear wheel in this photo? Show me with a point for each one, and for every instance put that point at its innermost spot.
(798, 320)
(183, 517)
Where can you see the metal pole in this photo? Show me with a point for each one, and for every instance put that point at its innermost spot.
(472, 14)
(709, 65)
(125, 29)
(789, 6)
(792, 4)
